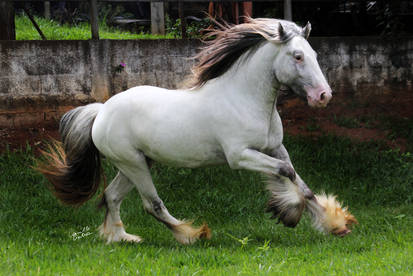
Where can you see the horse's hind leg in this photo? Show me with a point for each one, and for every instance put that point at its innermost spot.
(138, 172)
(112, 229)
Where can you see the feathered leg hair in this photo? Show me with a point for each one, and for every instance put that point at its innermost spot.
(329, 216)
(288, 201)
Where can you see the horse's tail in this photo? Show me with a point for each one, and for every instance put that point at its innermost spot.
(73, 166)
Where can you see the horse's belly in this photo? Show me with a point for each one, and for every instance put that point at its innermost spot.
(185, 154)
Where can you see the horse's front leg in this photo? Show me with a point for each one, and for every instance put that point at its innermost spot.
(326, 213)
(287, 201)
(282, 154)
(253, 160)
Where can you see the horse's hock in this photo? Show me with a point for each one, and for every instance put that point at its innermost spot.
(40, 80)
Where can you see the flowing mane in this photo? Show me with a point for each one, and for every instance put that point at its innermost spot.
(229, 42)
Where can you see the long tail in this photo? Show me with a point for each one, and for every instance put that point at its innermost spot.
(73, 166)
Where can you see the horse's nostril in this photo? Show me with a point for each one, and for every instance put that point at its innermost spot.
(322, 96)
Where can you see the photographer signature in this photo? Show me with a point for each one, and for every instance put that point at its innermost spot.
(81, 234)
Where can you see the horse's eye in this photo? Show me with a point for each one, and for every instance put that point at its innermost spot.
(298, 55)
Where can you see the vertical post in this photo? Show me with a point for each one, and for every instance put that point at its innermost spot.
(247, 8)
(94, 21)
(235, 12)
(157, 18)
(47, 9)
(7, 27)
(182, 18)
(101, 73)
(288, 13)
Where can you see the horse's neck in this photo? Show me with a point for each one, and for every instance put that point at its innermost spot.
(249, 81)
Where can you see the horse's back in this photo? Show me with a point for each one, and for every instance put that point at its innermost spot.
(165, 125)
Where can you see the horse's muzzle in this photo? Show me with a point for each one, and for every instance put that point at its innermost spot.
(319, 96)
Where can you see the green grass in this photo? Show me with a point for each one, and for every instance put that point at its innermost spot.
(36, 231)
(54, 31)
(398, 127)
(312, 125)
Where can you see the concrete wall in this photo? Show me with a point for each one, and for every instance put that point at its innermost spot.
(41, 79)
(366, 66)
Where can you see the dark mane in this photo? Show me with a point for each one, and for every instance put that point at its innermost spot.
(230, 42)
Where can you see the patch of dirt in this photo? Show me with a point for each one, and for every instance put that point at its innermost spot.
(361, 120)
(14, 139)
(355, 134)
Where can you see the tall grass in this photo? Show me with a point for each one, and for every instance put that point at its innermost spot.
(36, 232)
(81, 31)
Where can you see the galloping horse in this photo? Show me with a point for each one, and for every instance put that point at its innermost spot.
(228, 115)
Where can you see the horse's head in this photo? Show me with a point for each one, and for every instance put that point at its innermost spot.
(297, 68)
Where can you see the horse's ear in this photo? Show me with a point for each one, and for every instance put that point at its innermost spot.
(281, 32)
(307, 30)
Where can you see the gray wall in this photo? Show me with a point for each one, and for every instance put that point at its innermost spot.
(41, 79)
(366, 66)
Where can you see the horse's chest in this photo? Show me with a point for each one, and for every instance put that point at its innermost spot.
(273, 136)
(258, 132)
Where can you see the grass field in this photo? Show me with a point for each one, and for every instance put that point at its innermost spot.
(81, 31)
(37, 234)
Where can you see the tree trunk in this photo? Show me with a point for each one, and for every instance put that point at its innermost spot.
(7, 27)
(94, 20)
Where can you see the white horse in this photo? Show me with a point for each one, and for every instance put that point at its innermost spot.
(228, 115)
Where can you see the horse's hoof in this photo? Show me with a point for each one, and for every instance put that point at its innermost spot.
(289, 215)
(186, 234)
(336, 219)
(342, 233)
(131, 238)
(117, 234)
(286, 201)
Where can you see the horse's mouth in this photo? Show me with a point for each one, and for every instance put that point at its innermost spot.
(285, 90)
(314, 96)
